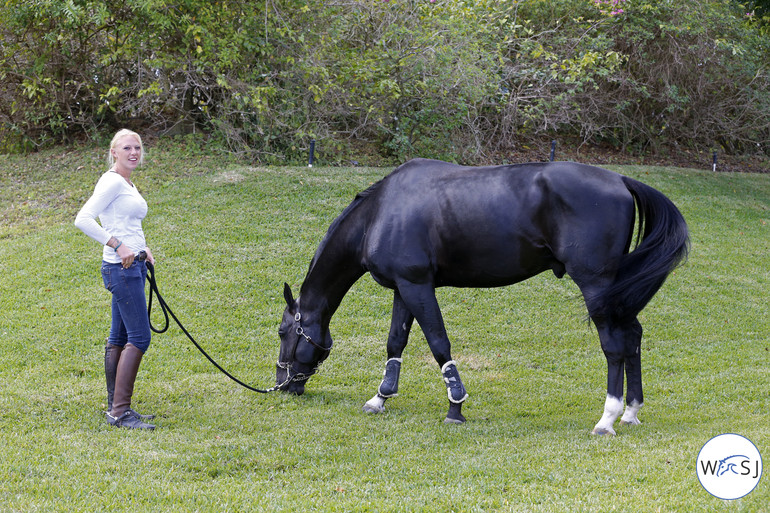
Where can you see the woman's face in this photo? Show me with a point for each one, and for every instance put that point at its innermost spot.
(127, 153)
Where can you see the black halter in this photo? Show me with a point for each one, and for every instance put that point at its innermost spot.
(301, 376)
(300, 331)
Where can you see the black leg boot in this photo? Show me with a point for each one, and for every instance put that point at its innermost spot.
(121, 412)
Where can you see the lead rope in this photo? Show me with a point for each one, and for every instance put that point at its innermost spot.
(167, 311)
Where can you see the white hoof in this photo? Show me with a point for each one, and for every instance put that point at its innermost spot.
(375, 405)
(612, 410)
(368, 408)
(629, 417)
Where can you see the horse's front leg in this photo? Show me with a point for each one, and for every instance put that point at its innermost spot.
(400, 325)
(456, 392)
(421, 301)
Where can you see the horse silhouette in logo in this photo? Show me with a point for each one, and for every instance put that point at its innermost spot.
(730, 464)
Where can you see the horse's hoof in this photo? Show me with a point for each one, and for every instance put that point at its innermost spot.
(369, 408)
(635, 422)
(603, 431)
(454, 415)
(375, 405)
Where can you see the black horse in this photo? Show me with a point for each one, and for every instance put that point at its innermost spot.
(432, 224)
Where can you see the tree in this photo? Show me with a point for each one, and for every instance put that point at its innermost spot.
(468, 80)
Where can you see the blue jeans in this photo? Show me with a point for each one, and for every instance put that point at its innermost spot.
(130, 322)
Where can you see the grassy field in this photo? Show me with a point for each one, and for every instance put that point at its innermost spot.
(227, 236)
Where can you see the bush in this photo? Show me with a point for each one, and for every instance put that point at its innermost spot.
(459, 80)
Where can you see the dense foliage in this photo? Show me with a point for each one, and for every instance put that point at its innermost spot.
(459, 79)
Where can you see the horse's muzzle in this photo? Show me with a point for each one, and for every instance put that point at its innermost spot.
(285, 384)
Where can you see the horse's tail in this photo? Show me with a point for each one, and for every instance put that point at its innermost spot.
(662, 243)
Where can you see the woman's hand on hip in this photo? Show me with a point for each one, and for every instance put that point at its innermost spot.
(150, 258)
(126, 256)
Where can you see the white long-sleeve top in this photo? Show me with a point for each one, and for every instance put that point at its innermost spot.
(120, 209)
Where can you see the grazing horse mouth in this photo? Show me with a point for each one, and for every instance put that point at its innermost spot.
(285, 381)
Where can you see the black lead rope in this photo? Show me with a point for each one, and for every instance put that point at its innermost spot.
(167, 311)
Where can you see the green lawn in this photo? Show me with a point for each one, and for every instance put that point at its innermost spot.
(227, 236)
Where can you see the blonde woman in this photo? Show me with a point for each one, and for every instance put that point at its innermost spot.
(120, 209)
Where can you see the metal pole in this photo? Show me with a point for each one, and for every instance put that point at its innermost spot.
(312, 153)
(553, 149)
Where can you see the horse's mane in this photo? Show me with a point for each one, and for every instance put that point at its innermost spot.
(358, 200)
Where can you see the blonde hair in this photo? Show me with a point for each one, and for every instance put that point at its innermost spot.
(122, 133)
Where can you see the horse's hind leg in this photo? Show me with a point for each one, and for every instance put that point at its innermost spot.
(633, 360)
(621, 342)
(400, 325)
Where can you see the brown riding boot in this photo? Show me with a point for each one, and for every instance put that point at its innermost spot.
(111, 358)
(125, 376)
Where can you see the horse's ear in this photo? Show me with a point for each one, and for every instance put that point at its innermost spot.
(287, 294)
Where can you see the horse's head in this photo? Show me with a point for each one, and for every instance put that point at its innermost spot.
(300, 354)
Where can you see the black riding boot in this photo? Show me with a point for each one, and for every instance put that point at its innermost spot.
(125, 376)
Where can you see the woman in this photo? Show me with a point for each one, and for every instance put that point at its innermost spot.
(120, 209)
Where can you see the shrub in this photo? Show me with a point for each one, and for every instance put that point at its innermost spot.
(459, 80)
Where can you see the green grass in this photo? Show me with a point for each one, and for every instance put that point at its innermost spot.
(226, 237)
